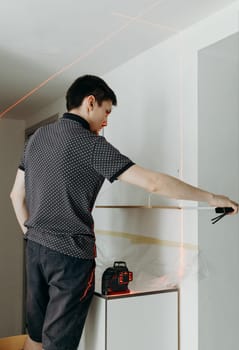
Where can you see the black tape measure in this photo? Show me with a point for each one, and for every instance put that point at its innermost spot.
(223, 211)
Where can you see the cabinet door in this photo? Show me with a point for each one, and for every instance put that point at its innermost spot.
(93, 337)
(143, 322)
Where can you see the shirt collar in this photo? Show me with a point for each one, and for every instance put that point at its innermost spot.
(76, 118)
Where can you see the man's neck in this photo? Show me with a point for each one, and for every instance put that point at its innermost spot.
(80, 112)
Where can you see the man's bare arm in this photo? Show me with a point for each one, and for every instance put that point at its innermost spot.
(169, 186)
(18, 197)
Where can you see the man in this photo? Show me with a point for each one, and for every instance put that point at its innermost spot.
(62, 170)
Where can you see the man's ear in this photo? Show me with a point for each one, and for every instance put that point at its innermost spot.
(91, 101)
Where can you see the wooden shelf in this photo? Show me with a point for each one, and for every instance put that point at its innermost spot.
(139, 206)
(174, 207)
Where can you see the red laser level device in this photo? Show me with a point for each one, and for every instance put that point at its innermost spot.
(116, 279)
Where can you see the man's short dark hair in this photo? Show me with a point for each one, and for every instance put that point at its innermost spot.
(89, 85)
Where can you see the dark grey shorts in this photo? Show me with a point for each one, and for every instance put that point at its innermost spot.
(59, 292)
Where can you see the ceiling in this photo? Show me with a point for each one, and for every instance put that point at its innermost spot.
(45, 45)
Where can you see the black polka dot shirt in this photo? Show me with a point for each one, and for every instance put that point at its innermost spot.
(65, 166)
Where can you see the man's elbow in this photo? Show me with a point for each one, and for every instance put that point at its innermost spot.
(152, 185)
(156, 183)
(14, 196)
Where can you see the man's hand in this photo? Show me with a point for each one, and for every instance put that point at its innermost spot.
(222, 201)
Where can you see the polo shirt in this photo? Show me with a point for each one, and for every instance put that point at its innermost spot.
(65, 166)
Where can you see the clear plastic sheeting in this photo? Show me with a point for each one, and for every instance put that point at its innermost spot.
(155, 266)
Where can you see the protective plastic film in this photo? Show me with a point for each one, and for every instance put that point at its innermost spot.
(155, 265)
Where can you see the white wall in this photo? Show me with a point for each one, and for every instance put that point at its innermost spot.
(146, 125)
(11, 240)
(219, 169)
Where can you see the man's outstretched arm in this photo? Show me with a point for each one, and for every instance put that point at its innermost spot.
(18, 198)
(169, 186)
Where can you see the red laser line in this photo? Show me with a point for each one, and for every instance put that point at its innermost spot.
(66, 67)
(144, 21)
(81, 57)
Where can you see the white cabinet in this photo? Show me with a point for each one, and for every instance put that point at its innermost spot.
(133, 321)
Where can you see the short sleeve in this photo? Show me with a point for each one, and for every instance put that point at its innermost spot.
(108, 161)
(22, 161)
